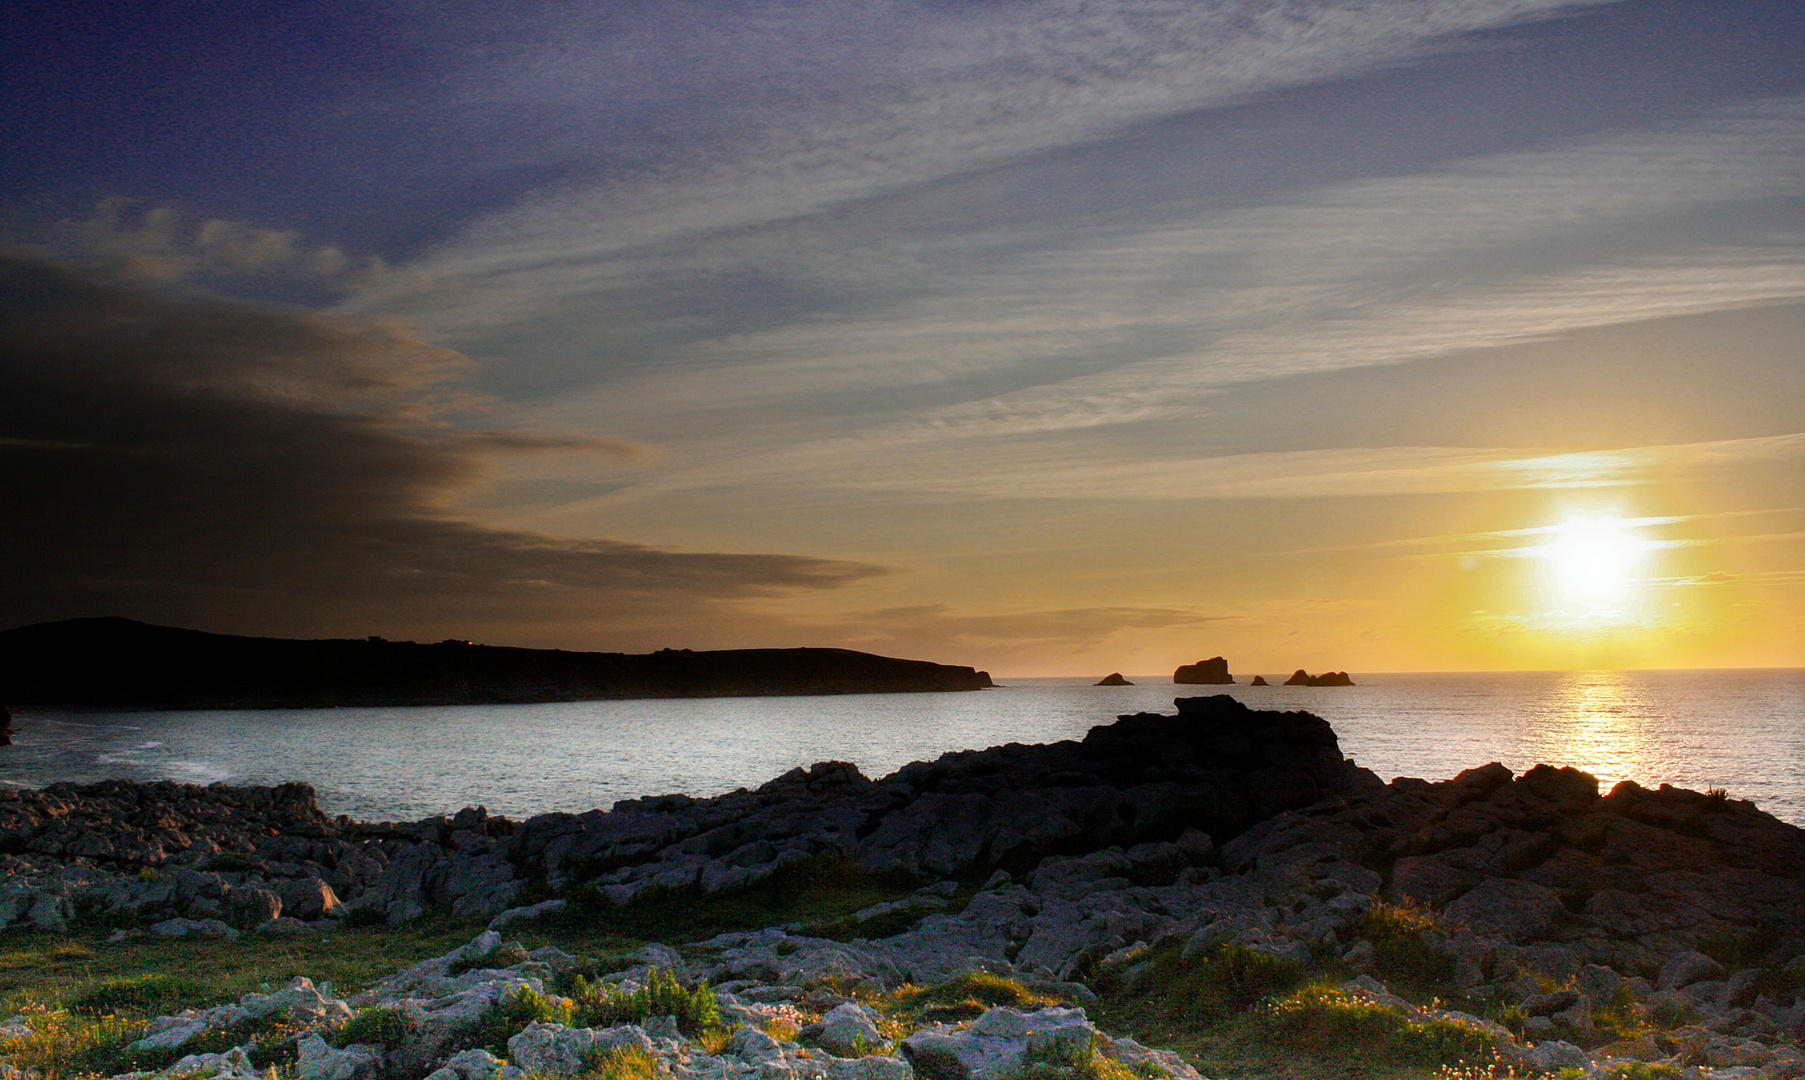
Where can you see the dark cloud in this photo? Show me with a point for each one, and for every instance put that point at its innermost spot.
(194, 460)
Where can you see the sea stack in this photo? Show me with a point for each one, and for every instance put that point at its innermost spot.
(1259, 680)
(1114, 678)
(1211, 672)
(1300, 677)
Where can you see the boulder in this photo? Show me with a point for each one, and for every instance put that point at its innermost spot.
(316, 1060)
(848, 1030)
(1211, 672)
(556, 1050)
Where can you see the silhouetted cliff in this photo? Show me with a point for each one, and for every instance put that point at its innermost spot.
(120, 663)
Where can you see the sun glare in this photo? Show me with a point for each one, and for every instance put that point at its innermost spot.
(1594, 558)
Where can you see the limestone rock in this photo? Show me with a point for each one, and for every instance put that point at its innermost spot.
(1211, 672)
(556, 1050)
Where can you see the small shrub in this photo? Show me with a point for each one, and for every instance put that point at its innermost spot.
(512, 1013)
(381, 1026)
(662, 995)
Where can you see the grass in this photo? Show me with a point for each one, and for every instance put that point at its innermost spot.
(964, 997)
(152, 976)
(1404, 950)
(1320, 1024)
(811, 892)
(622, 1063)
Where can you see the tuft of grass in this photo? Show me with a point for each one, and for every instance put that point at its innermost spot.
(965, 997)
(622, 1063)
(1330, 1025)
(1404, 951)
(382, 1026)
(1180, 998)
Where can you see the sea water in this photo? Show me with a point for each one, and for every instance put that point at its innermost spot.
(1740, 730)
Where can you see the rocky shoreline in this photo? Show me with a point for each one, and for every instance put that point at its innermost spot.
(1154, 843)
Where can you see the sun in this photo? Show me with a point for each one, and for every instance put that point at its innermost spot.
(1594, 558)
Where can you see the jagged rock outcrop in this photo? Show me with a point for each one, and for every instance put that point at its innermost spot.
(1211, 672)
(249, 856)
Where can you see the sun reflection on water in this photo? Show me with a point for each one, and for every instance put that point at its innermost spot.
(1601, 722)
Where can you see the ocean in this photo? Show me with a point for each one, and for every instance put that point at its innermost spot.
(1741, 730)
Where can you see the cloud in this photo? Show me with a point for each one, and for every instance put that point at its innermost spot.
(135, 241)
(722, 120)
(1036, 469)
(189, 459)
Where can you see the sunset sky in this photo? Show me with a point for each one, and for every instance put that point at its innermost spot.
(1052, 338)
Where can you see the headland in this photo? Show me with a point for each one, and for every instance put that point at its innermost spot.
(118, 663)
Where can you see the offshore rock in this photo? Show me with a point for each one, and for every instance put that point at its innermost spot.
(1211, 672)
(1300, 677)
(1114, 678)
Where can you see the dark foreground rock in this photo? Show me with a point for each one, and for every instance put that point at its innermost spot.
(119, 663)
(230, 854)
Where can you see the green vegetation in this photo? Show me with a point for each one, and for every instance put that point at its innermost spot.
(662, 995)
(622, 1063)
(963, 998)
(812, 892)
(1405, 954)
(1063, 1061)
(1321, 1023)
(381, 1026)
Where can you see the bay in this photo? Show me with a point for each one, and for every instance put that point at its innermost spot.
(1741, 730)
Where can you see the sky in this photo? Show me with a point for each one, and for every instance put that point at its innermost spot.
(1052, 338)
